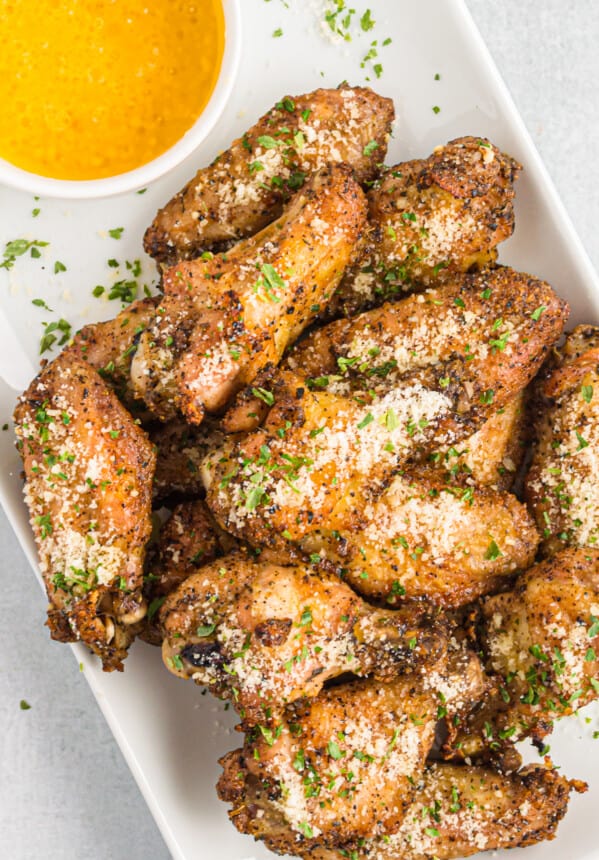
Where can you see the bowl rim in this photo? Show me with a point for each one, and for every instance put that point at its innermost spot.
(140, 177)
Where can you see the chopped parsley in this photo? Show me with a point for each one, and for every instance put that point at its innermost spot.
(55, 331)
(17, 248)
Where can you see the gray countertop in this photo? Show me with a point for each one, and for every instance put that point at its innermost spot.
(65, 791)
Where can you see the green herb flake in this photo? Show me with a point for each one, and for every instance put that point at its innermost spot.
(366, 22)
(368, 419)
(264, 395)
(334, 751)
(116, 232)
(18, 247)
(493, 552)
(205, 630)
(24, 705)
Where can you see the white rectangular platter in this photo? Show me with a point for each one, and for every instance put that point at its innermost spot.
(170, 734)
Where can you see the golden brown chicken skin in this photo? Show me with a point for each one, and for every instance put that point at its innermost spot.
(263, 635)
(541, 642)
(456, 811)
(223, 319)
(430, 219)
(88, 487)
(562, 485)
(397, 384)
(246, 186)
(492, 456)
(424, 538)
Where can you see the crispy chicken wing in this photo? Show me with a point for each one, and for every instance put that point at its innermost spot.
(341, 767)
(562, 487)
(89, 472)
(344, 765)
(245, 188)
(541, 640)
(223, 319)
(396, 384)
(496, 320)
(264, 635)
(449, 543)
(432, 218)
(456, 811)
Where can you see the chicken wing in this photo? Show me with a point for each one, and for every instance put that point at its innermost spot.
(264, 635)
(431, 219)
(456, 811)
(88, 488)
(341, 767)
(396, 384)
(426, 538)
(541, 640)
(224, 318)
(244, 189)
(561, 486)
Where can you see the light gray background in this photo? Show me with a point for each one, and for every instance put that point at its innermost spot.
(65, 791)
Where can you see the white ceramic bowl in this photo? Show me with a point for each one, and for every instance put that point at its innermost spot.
(140, 177)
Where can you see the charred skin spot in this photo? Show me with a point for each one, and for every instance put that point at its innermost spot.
(273, 631)
(203, 655)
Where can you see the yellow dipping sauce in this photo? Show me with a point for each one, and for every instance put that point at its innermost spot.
(93, 88)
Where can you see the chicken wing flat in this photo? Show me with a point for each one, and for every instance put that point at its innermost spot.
(426, 538)
(491, 320)
(264, 635)
(344, 766)
(181, 450)
(397, 384)
(456, 811)
(88, 488)
(432, 218)
(341, 767)
(188, 540)
(541, 640)
(245, 188)
(109, 346)
(224, 318)
(562, 487)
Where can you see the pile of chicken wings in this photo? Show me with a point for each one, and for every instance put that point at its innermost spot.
(343, 470)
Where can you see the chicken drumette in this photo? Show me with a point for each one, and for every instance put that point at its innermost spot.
(245, 188)
(264, 635)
